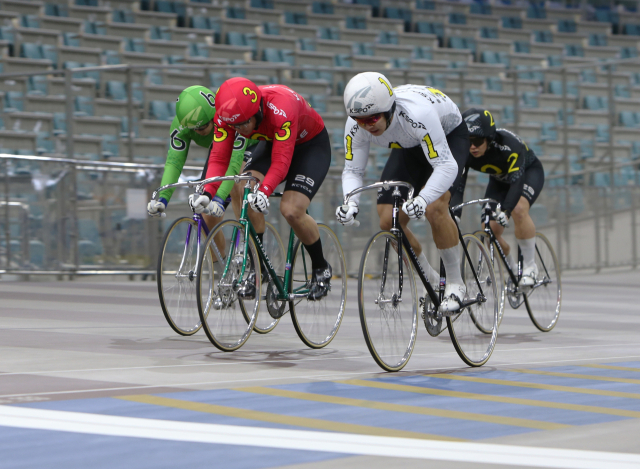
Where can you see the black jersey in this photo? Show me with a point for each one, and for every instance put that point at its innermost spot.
(506, 160)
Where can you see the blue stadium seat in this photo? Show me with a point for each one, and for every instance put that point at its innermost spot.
(493, 84)
(111, 57)
(83, 106)
(133, 45)
(29, 21)
(588, 76)
(628, 119)
(37, 85)
(306, 43)
(548, 131)
(31, 51)
(530, 99)
(122, 16)
(570, 117)
(607, 16)
(267, 4)
(457, 18)
(554, 60)
(110, 147)
(318, 102)
(342, 60)
(198, 49)
(271, 54)
(473, 97)
(59, 123)
(362, 48)
(602, 133)
(235, 13)
(462, 43)
(323, 8)
(574, 50)
(425, 5)
(480, 9)
(522, 47)
(292, 17)
(536, 12)
(621, 91)
(44, 144)
(492, 57)
(632, 29)
(422, 52)
(51, 9)
(586, 149)
(160, 110)
(159, 33)
(593, 103)
(7, 34)
(512, 22)
(400, 62)
(116, 90)
(271, 28)
(71, 39)
(97, 27)
(400, 14)
(423, 27)
(356, 22)
(332, 34)
(87, 3)
(388, 37)
(567, 26)
(488, 33)
(374, 4)
(628, 52)
(555, 87)
(597, 39)
(13, 101)
(542, 36)
(36, 253)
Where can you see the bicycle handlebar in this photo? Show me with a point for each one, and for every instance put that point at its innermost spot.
(385, 185)
(475, 201)
(199, 185)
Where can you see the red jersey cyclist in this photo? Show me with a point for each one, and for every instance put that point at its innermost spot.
(294, 147)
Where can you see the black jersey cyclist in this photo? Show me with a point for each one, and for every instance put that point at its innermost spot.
(516, 179)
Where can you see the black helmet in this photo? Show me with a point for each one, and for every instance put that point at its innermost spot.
(480, 123)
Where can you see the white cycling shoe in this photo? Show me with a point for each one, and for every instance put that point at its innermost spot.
(529, 276)
(453, 295)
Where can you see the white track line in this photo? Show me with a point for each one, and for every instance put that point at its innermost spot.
(475, 453)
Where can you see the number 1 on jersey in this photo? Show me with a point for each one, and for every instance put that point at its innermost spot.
(432, 152)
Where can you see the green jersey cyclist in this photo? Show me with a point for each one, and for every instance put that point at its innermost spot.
(195, 109)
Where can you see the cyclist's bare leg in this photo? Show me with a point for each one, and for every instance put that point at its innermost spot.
(498, 230)
(385, 212)
(443, 228)
(525, 228)
(293, 208)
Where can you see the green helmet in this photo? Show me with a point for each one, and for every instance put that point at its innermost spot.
(195, 107)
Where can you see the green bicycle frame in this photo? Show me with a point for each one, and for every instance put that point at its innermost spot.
(283, 294)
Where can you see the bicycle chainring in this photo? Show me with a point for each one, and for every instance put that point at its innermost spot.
(275, 307)
(430, 316)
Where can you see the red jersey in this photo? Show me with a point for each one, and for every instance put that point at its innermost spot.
(288, 121)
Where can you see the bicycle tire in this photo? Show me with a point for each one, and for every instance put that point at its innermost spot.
(181, 309)
(389, 328)
(222, 312)
(500, 270)
(317, 322)
(275, 251)
(474, 329)
(544, 301)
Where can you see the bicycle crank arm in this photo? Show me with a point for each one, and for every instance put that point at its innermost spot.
(479, 299)
(293, 296)
(390, 300)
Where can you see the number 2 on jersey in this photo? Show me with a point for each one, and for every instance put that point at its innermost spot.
(513, 157)
(432, 152)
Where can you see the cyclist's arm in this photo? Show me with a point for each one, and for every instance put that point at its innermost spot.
(223, 138)
(284, 142)
(179, 143)
(437, 152)
(356, 151)
(235, 165)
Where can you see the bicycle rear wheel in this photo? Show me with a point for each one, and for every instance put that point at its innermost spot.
(227, 319)
(474, 329)
(499, 269)
(176, 274)
(389, 318)
(275, 251)
(317, 321)
(544, 299)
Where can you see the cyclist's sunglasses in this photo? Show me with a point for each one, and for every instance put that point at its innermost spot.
(368, 120)
(476, 141)
(202, 127)
(240, 124)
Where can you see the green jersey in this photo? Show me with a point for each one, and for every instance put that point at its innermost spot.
(179, 142)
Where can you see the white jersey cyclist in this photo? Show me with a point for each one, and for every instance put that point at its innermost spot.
(423, 116)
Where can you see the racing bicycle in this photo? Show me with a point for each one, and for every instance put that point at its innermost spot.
(542, 300)
(231, 263)
(177, 266)
(388, 301)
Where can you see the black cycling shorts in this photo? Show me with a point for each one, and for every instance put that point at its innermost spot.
(533, 183)
(309, 164)
(411, 165)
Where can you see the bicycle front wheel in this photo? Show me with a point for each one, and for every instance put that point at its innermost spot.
(498, 268)
(227, 299)
(388, 302)
(275, 251)
(317, 321)
(544, 299)
(176, 274)
(474, 329)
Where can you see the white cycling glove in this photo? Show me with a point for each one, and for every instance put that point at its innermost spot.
(415, 207)
(199, 203)
(501, 217)
(347, 217)
(216, 207)
(259, 201)
(155, 208)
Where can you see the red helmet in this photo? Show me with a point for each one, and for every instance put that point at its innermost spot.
(237, 100)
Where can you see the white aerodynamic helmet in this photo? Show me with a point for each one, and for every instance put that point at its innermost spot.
(369, 93)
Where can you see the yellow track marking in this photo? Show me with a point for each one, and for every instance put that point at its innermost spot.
(415, 410)
(499, 399)
(261, 416)
(547, 387)
(612, 367)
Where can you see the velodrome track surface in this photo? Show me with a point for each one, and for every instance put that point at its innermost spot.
(92, 376)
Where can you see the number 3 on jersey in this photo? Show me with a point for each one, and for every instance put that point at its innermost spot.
(432, 152)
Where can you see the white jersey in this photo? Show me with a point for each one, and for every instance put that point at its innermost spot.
(423, 116)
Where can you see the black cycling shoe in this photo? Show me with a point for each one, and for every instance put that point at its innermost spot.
(320, 283)
(247, 289)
